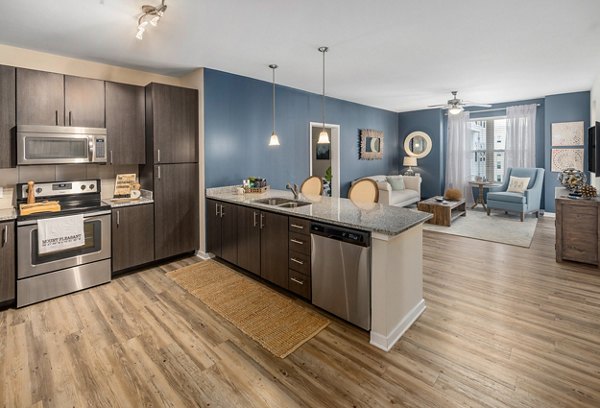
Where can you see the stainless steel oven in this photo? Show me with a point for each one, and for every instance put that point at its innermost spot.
(60, 145)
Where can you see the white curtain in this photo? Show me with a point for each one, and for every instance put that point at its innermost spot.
(458, 168)
(520, 136)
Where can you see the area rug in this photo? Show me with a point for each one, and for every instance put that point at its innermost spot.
(276, 322)
(498, 227)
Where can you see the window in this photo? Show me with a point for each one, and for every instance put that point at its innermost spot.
(487, 152)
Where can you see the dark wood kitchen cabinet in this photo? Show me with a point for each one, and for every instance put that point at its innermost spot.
(84, 102)
(172, 120)
(40, 98)
(7, 117)
(248, 239)
(132, 236)
(221, 230)
(274, 248)
(7, 263)
(176, 213)
(125, 124)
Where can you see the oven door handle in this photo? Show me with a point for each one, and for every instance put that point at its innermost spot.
(85, 218)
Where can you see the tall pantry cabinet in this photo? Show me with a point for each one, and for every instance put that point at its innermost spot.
(171, 169)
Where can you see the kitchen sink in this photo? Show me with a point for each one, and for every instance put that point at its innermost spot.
(282, 202)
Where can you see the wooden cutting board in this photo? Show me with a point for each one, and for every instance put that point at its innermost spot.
(44, 206)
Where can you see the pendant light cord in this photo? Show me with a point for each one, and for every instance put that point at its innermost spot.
(273, 99)
(323, 50)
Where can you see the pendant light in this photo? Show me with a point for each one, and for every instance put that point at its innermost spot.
(274, 139)
(323, 136)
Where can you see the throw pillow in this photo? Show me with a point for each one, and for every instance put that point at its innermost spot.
(397, 182)
(518, 184)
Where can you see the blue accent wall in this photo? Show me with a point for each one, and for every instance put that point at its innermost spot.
(570, 107)
(430, 167)
(237, 128)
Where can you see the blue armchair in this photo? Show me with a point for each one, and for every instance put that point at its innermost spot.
(528, 202)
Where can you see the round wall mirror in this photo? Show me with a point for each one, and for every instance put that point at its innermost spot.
(417, 144)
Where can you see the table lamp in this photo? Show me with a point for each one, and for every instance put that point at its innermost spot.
(409, 161)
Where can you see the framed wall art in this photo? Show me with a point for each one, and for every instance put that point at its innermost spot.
(567, 158)
(567, 134)
(371, 144)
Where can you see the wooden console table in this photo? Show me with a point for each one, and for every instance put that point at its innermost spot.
(577, 226)
(443, 212)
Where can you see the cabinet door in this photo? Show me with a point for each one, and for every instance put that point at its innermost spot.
(229, 250)
(132, 236)
(84, 102)
(175, 209)
(7, 117)
(274, 248)
(125, 124)
(7, 262)
(214, 234)
(175, 123)
(40, 98)
(248, 239)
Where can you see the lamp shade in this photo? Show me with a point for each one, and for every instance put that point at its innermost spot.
(409, 161)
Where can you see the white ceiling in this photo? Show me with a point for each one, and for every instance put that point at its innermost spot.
(393, 54)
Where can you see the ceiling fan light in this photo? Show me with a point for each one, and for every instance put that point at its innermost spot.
(323, 137)
(140, 34)
(455, 110)
(155, 19)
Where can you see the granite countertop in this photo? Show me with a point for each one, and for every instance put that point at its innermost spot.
(8, 214)
(376, 217)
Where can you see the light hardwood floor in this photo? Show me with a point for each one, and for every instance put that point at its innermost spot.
(504, 326)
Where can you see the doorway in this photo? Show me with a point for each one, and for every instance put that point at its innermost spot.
(324, 159)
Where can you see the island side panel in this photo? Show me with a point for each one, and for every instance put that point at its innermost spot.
(396, 285)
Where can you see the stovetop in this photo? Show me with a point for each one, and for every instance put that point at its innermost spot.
(68, 208)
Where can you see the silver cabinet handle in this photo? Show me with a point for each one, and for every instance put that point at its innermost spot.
(217, 209)
(295, 241)
(297, 226)
(70, 118)
(158, 171)
(299, 282)
(254, 218)
(262, 224)
(158, 155)
(4, 235)
(118, 218)
(111, 157)
(299, 262)
(222, 213)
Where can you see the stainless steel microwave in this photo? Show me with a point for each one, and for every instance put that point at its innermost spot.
(60, 145)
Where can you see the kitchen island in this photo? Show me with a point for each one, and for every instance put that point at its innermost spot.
(396, 251)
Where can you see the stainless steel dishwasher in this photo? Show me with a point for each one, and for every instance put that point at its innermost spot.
(341, 272)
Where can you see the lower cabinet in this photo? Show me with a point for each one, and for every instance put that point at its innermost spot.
(221, 230)
(132, 236)
(274, 248)
(7, 262)
(248, 239)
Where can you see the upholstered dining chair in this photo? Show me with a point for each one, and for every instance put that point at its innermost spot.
(312, 186)
(499, 198)
(364, 191)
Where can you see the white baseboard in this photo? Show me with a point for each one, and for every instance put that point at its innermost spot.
(549, 214)
(385, 343)
(204, 255)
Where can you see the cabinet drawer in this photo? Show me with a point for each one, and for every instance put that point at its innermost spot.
(299, 262)
(581, 249)
(300, 243)
(299, 284)
(575, 220)
(299, 225)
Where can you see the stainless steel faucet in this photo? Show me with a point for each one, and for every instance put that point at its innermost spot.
(294, 188)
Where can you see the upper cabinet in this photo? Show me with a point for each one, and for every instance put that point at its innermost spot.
(45, 98)
(172, 121)
(125, 123)
(7, 116)
(40, 98)
(84, 102)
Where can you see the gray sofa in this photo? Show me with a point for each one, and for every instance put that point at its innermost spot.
(410, 195)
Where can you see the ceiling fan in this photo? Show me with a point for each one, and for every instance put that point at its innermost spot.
(456, 106)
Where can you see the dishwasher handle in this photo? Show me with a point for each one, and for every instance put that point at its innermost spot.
(348, 235)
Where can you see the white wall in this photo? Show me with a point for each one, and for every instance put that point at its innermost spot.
(20, 57)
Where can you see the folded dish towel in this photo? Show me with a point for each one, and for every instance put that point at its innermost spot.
(60, 233)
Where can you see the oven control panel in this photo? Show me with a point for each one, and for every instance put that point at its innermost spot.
(60, 188)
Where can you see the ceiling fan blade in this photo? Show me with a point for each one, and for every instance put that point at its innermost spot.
(443, 106)
(475, 104)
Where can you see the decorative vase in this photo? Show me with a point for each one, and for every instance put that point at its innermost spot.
(572, 179)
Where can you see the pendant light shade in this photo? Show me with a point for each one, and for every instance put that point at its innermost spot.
(274, 141)
(323, 136)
